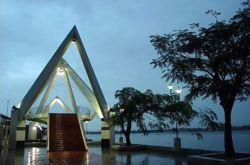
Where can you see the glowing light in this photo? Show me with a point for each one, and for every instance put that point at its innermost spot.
(34, 128)
(57, 99)
(178, 90)
(60, 71)
(33, 151)
(87, 160)
(19, 105)
(38, 126)
(74, 42)
(170, 86)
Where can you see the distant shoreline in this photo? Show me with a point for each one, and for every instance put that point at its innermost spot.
(234, 128)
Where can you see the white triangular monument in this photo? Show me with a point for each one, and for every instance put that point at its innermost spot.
(45, 81)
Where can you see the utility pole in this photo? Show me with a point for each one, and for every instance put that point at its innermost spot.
(8, 101)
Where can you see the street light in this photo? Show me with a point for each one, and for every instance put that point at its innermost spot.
(170, 87)
(178, 91)
(121, 138)
(177, 140)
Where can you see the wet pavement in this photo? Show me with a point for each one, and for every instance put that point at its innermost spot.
(95, 156)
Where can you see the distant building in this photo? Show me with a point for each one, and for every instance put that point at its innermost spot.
(4, 131)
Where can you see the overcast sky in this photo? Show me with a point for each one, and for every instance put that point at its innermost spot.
(115, 34)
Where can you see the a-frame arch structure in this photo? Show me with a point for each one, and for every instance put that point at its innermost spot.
(45, 82)
(40, 113)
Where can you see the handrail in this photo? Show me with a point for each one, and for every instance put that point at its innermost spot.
(84, 113)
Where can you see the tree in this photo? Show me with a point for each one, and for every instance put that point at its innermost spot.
(213, 61)
(173, 111)
(131, 107)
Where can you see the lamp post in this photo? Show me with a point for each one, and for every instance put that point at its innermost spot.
(7, 107)
(178, 91)
(177, 140)
(170, 87)
(121, 138)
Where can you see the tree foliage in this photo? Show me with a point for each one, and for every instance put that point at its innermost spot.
(213, 61)
(131, 107)
(172, 110)
(156, 111)
(208, 119)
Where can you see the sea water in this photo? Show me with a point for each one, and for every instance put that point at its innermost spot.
(211, 140)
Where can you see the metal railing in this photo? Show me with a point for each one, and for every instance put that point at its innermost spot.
(84, 113)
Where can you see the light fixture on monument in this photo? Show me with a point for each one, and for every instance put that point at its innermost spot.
(60, 71)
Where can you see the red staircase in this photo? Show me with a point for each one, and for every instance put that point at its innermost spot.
(65, 133)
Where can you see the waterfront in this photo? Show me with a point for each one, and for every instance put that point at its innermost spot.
(95, 156)
(98, 156)
(211, 140)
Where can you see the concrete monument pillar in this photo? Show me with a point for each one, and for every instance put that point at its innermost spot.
(13, 129)
(20, 135)
(107, 134)
(17, 131)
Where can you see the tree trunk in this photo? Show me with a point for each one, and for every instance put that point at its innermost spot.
(228, 140)
(127, 136)
(128, 131)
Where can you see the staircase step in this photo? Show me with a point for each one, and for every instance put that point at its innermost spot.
(65, 133)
